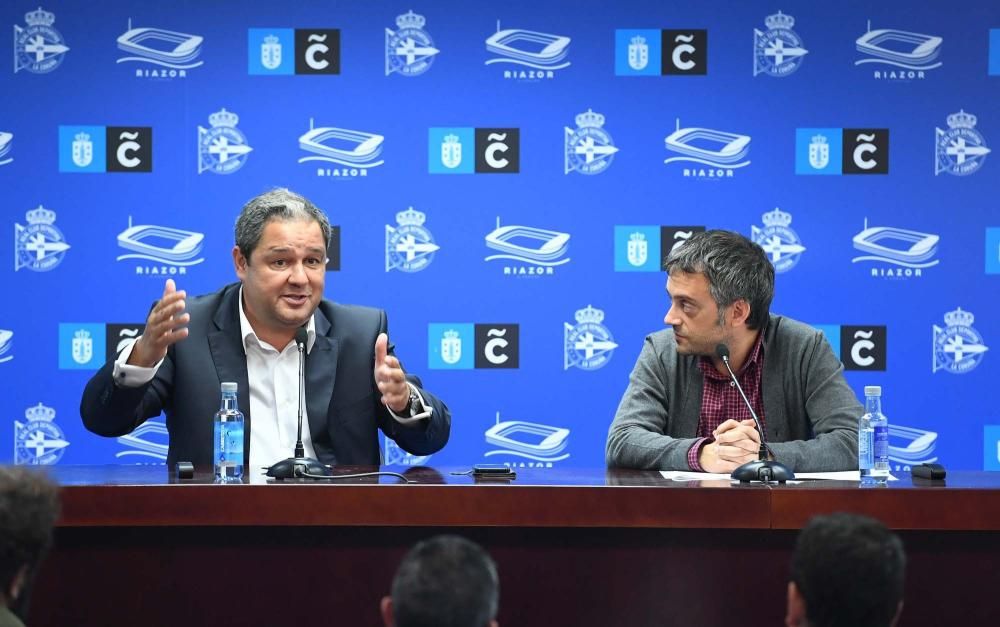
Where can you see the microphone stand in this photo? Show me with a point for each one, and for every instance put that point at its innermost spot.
(299, 466)
(763, 469)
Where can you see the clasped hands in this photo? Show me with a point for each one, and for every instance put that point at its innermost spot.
(735, 443)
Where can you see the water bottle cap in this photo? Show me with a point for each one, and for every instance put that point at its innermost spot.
(873, 390)
(229, 386)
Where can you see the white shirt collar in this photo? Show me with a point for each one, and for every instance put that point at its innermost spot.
(246, 331)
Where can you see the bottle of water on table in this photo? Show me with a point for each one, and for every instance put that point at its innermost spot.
(873, 439)
(227, 451)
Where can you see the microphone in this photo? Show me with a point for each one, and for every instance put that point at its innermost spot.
(300, 466)
(763, 469)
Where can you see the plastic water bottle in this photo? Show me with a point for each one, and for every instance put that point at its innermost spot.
(873, 438)
(228, 448)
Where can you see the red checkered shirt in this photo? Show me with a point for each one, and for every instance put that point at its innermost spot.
(720, 400)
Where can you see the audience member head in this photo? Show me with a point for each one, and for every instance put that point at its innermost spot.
(847, 571)
(29, 505)
(446, 581)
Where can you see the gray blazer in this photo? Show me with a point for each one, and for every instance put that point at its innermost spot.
(811, 414)
(342, 401)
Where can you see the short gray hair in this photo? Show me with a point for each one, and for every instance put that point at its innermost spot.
(279, 203)
(736, 268)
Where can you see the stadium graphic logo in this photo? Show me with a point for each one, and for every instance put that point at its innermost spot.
(39, 440)
(174, 51)
(6, 345)
(588, 148)
(540, 53)
(40, 246)
(409, 246)
(721, 151)
(410, 50)
(912, 53)
(6, 147)
(222, 149)
(357, 151)
(778, 240)
(535, 251)
(910, 446)
(958, 348)
(39, 48)
(588, 344)
(910, 251)
(961, 150)
(149, 440)
(779, 51)
(540, 444)
(172, 250)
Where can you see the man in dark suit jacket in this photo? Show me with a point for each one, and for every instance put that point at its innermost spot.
(353, 382)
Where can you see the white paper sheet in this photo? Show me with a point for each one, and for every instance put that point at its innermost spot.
(846, 475)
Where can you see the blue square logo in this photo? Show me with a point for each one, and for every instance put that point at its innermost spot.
(451, 346)
(638, 52)
(81, 346)
(993, 250)
(994, 69)
(991, 447)
(82, 148)
(271, 51)
(832, 333)
(637, 248)
(451, 150)
(818, 150)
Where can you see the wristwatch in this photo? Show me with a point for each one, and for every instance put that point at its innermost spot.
(413, 404)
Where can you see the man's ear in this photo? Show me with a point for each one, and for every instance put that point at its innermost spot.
(739, 311)
(386, 607)
(795, 614)
(17, 585)
(240, 263)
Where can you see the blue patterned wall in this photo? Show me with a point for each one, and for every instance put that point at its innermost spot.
(550, 152)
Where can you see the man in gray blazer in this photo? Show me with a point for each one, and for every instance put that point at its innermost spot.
(681, 410)
(354, 384)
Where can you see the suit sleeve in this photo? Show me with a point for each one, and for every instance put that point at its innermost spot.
(110, 410)
(832, 410)
(637, 436)
(426, 436)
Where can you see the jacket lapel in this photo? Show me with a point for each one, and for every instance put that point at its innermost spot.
(321, 372)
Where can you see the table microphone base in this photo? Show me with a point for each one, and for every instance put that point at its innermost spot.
(298, 468)
(763, 470)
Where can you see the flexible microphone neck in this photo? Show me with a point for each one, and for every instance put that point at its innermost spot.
(722, 351)
(301, 336)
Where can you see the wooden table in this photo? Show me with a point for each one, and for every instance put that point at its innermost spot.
(574, 547)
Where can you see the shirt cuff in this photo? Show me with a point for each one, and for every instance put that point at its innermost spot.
(694, 452)
(418, 410)
(127, 376)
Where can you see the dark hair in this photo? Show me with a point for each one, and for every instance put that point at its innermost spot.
(278, 204)
(849, 569)
(736, 268)
(29, 505)
(446, 581)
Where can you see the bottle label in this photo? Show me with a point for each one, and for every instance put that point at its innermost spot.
(881, 449)
(866, 449)
(228, 443)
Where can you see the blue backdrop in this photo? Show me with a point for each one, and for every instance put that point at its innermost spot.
(807, 129)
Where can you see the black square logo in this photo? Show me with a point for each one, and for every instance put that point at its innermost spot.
(130, 148)
(863, 347)
(333, 250)
(673, 236)
(317, 51)
(866, 151)
(498, 150)
(684, 52)
(497, 345)
(120, 333)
